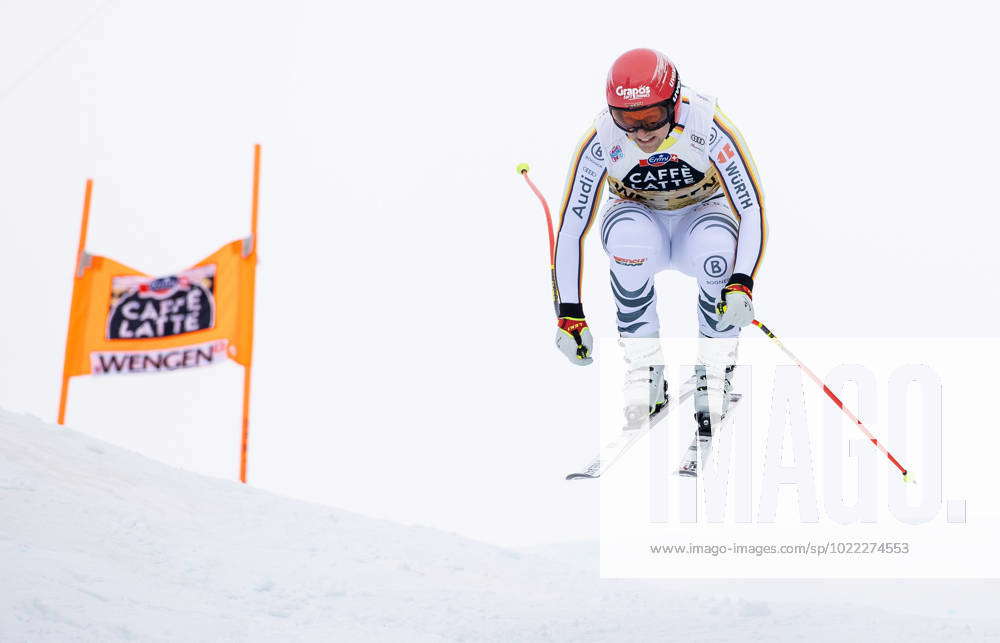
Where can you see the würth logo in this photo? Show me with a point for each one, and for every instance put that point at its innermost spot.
(632, 93)
(725, 153)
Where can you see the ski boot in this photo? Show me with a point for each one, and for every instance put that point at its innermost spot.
(645, 386)
(717, 361)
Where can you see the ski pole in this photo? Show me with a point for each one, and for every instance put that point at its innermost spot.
(836, 400)
(522, 169)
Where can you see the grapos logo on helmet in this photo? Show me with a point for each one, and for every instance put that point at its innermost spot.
(633, 93)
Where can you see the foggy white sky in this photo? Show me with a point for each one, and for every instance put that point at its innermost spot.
(404, 365)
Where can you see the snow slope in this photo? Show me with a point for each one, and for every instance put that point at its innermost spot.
(98, 543)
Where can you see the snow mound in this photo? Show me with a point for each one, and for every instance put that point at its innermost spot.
(98, 543)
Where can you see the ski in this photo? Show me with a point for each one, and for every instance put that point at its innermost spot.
(703, 444)
(614, 450)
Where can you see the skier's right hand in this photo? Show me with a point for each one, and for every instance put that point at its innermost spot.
(573, 339)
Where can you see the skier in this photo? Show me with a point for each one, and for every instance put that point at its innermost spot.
(685, 195)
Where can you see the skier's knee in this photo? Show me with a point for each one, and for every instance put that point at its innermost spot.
(715, 232)
(631, 237)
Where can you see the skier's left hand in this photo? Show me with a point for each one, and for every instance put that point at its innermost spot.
(736, 302)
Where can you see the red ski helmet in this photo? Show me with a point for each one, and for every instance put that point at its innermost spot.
(643, 90)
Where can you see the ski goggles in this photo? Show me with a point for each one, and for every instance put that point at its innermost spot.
(643, 118)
